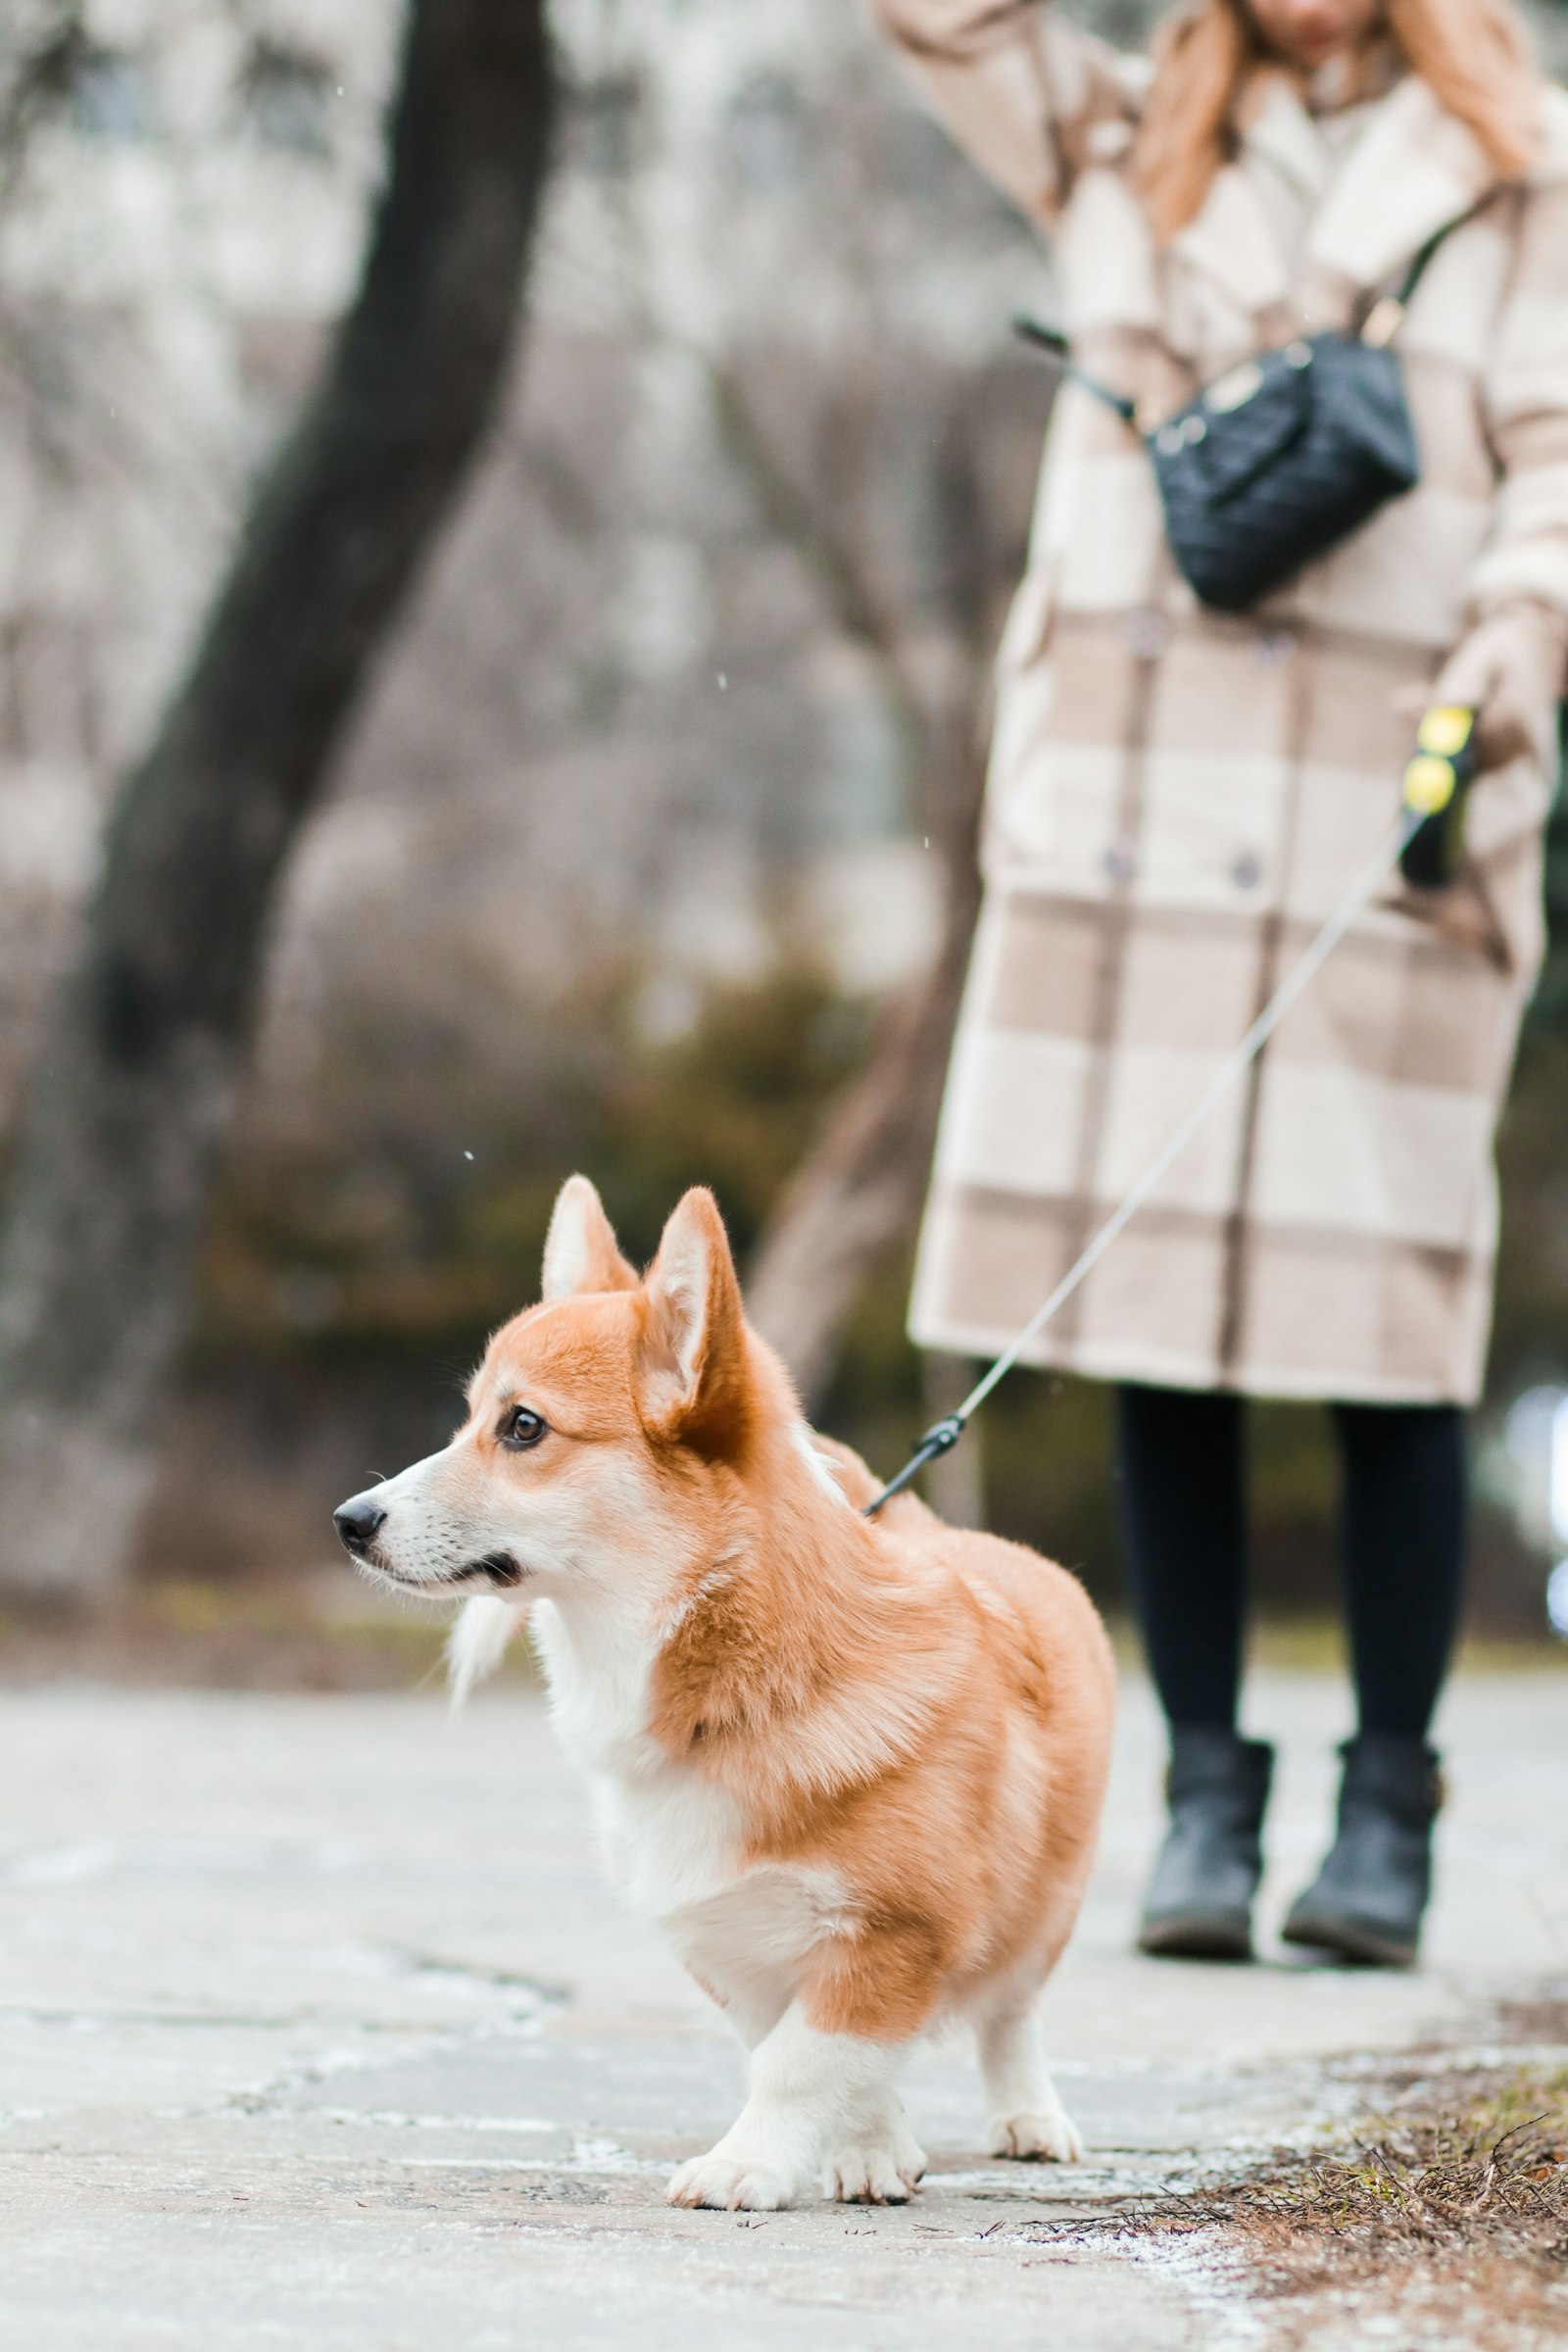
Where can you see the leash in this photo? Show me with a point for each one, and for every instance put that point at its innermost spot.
(1434, 789)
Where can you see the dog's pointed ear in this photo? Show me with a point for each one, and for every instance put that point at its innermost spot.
(693, 1374)
(581, 1251)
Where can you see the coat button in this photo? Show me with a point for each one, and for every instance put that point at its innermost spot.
(1248, 871)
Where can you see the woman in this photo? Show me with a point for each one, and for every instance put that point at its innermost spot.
(1177, 798)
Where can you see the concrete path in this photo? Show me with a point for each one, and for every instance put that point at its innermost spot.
(317, 2029)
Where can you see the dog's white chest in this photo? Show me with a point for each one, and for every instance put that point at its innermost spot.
(673, 1845)
(670, 1839)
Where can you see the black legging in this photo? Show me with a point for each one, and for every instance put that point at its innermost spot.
(1403, 1539)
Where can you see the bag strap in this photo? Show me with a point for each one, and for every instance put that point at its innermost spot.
(1385, 313)
(1380, 322)
(1052, 339)
(1418, 264)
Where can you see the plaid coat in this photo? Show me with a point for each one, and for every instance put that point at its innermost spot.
(1177, 797)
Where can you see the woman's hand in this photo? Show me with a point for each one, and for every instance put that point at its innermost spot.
(1511, 670)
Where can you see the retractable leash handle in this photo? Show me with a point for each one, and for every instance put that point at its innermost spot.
(1437, 787)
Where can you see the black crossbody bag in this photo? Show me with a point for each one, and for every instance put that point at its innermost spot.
(1281, 458)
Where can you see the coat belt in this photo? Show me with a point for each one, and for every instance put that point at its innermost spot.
(1149, 629)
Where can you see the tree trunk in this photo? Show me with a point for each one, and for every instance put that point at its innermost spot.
(859, 1191)
(133, 1091)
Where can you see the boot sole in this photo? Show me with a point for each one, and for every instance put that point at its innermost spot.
(1352, 1940)
(1197, 1935)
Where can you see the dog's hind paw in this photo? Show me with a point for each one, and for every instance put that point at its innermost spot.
(876, 2172)
(1045, 2135)
(731, 2186)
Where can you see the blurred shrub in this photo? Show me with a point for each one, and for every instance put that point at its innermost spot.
(417, 1218)
(357, 1263)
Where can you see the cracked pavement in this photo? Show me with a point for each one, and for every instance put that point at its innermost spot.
(318, 2026)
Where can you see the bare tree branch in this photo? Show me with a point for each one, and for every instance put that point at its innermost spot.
(858, 1191)
(797, 519)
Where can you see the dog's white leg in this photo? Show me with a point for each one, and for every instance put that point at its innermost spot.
(881, 2165)
(811, 2094)
(1026, 2118)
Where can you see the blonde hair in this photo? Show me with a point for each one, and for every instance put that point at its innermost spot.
(1474, 56)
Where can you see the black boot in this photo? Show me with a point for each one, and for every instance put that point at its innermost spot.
(1367, 1900)
(1199, 1901)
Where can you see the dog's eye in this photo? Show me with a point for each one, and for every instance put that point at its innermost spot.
(520, 1428)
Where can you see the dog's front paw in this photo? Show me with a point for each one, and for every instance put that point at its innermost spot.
(880, 2172)
(1044, 2135)
(732, 2184)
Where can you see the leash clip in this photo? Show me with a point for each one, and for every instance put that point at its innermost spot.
(939, 1439)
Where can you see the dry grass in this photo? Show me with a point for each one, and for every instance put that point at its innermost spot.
(1490, 2170)
(1448, 2212)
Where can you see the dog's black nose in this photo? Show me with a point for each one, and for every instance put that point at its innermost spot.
(357, 1522)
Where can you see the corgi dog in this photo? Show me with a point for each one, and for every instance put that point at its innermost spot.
(852, 1768)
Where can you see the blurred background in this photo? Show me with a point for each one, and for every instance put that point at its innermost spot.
(645, 849)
